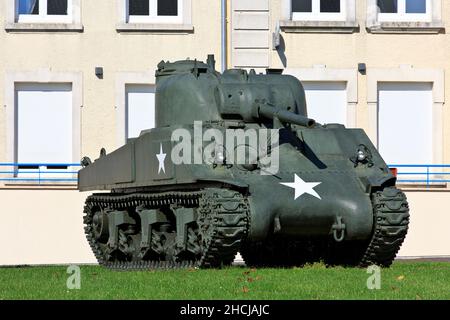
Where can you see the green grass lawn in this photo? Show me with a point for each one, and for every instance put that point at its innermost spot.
(404, 280)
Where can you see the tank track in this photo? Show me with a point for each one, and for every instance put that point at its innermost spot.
(223, 222)
(391, 220)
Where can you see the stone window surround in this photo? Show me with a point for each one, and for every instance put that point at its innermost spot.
(350, 25)
(122, 80)
(407, 73)
(321, 73)
(185, 27)
(13, 26)
(42, 76)
(434, 26)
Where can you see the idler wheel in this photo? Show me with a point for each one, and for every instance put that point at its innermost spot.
(100, 226)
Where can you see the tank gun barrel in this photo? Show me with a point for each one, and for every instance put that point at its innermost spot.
(272, 112)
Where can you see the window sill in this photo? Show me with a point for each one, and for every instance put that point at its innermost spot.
(155, 27)
(291, 26)
(405, 27)
(12, 185)
(44, 27)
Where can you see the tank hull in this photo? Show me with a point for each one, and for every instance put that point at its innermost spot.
(341, 190)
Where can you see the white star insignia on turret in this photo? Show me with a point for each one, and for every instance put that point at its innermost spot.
(161, 158)
(301, 187)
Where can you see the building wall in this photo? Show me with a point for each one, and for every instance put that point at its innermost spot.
(378, 51)
(43, 227)
(100, 44)
(428, 232)
(330, 50)
(250, 30)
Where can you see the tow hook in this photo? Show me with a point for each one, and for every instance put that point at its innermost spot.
(338, 229)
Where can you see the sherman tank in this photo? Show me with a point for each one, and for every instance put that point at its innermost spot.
(235, 165)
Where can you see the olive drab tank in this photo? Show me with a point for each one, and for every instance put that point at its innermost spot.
(178, 195)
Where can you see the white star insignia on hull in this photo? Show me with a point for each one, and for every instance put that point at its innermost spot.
(161, 157)
(301, 187)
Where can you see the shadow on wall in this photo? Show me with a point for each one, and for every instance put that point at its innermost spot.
(281, 51)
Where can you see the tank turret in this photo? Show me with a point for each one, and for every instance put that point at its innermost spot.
(189, 91)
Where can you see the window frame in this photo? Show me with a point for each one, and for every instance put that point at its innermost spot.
(42, 76)
(36, 88)
(316, 15)
(402, 16)
(330, 86)
(129, 89)
(320, 74)
(43, 16)
(152, 17)
(124, 79)
(405, 74)
(433, 26)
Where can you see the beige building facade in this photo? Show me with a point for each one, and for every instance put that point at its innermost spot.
(78, 75)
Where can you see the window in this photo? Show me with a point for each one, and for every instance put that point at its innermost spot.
(404, 10)
(44, 128)
(305, 16)
(326, 101)
(154, 11)
(34, 11)
(140, 109)
(319, 10)
(409, 140)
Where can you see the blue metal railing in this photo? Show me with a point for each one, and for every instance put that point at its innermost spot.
(53, 172)
(427, 173)
(39, 172)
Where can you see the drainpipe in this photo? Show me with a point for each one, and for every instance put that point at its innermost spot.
(224, 35)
